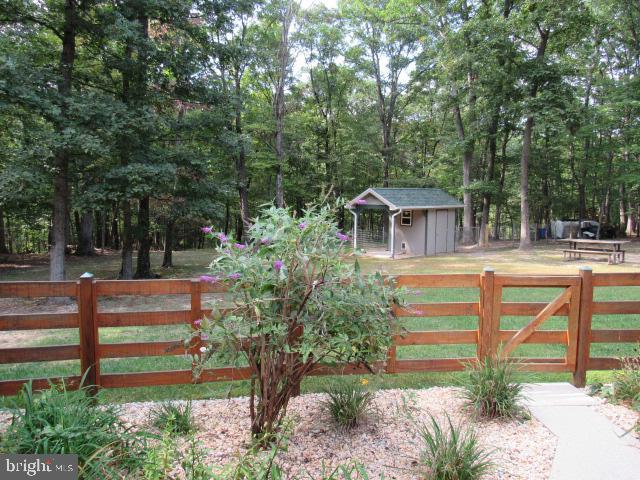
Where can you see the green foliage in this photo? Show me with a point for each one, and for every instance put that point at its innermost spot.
(348, 403)
(293, 294)
(59, 421)
(160, 457)
(176, 414)
(490, 389)
(452, 452)
(626, 383)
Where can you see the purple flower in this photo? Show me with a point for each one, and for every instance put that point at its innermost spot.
(240, 246)
(342, 236)
(278, 264)
(265, 241)
(206, 229)
(302, 225)
(222, 237)
(197, 322)
(208, 279)
(234, 276)
(361, 201)
(204, 336)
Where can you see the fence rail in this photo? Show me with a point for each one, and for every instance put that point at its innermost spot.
(489, 338)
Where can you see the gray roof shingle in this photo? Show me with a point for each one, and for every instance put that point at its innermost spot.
(417, 197)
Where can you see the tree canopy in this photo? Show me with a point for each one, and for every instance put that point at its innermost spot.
(128, 125)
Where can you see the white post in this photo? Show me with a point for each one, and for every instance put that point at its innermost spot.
(392, 232)
(355, 228)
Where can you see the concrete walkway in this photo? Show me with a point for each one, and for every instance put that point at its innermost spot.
(590, 447)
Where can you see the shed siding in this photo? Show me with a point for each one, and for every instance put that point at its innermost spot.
(412, 236)
(371, 200)
(431, 232)
(451, 231)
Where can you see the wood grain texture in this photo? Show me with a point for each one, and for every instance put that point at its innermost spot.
(531, 327)
(36, 321)
(442, 309)
(39, 354)
(37, 289)
(438, 281)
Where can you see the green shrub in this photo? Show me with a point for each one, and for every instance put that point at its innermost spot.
(178, 415)
(452, 454)
(294, 293)
(491, 391)
(626, 384)
(348, 403)
(60, 421)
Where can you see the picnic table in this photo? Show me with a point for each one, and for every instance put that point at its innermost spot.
(580, 246)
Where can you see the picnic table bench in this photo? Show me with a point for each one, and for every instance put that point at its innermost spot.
(610, 248)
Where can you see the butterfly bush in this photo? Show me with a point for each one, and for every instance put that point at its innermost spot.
(296, 303)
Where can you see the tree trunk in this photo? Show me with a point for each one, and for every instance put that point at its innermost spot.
(167, 261)
(126, 268)
(85, 240)
(279, 106)
(503, 174)
(623, 210)
(486, 196)
(525, 238)
(467, 216)
(61, 158)
(3, 240)
(143, 265)
(241, 167)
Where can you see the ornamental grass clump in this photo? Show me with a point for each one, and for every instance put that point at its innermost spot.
(626, 383)
(178, 415)
(60, 421)
(491, 391)
(295, 303)
(451, 453)
(348, 402)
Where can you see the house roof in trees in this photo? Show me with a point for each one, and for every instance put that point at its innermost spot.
(407, 198)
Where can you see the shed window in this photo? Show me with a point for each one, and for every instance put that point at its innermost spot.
(406, 217)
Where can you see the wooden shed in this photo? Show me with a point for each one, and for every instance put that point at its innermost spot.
(404, 221)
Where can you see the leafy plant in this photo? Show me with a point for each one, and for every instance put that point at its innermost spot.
(490, 389)
(59, 421)
(161, 457)
(626, 383)
(193, 461)
(296, 303)
(178, 415)
(452, 453)
(348, 402)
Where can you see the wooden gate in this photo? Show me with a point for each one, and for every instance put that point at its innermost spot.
(567, 303)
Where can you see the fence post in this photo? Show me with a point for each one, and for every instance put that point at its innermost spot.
(584, 327)
(485, 327)
(88, 326)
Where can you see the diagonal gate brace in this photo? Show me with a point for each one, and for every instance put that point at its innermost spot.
(526, 331)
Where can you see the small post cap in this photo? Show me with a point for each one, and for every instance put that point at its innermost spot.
(86, 275)
(488, 269)
(585, 268)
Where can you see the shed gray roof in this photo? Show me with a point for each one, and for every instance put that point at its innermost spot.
(412, 197)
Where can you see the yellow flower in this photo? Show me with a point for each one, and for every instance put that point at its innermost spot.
(364, 381)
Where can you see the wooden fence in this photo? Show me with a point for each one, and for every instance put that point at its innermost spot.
(576, 302)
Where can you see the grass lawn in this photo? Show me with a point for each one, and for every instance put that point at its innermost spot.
(544, 259)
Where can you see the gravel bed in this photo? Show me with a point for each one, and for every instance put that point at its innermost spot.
(386, 444)
(621, 415)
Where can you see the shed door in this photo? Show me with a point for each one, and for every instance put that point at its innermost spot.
(442, 221)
